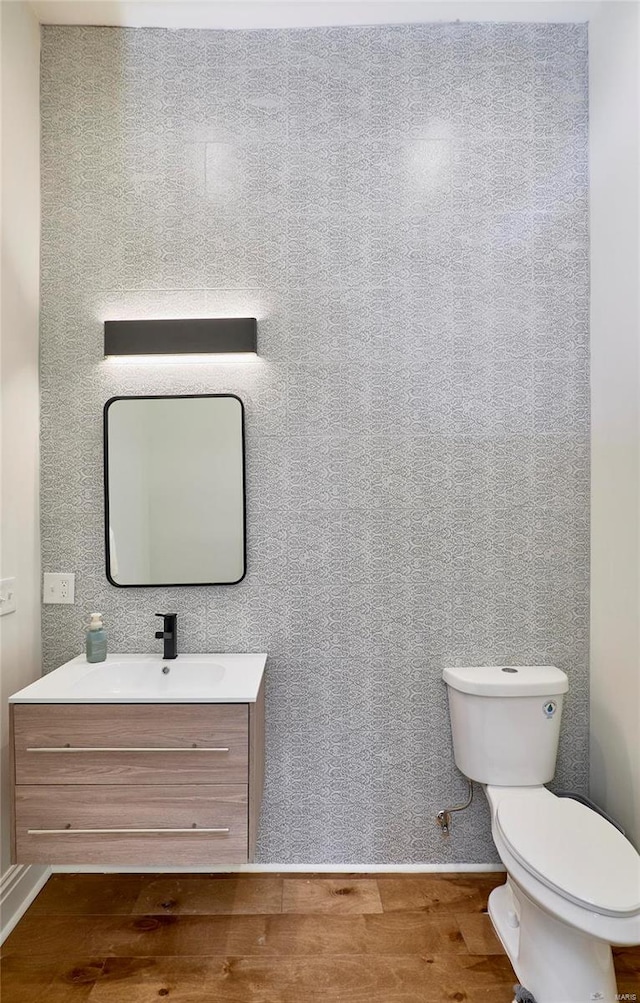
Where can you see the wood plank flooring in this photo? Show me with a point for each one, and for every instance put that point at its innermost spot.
(411, 938)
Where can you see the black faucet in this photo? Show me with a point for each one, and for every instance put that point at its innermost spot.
(169, 634)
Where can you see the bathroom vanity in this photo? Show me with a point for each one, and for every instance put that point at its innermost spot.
(138, 761)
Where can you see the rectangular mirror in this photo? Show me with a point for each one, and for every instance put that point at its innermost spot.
(174, 490)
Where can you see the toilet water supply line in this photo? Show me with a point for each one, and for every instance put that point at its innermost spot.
(444, 817)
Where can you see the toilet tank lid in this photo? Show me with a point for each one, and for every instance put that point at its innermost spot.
(507, 680)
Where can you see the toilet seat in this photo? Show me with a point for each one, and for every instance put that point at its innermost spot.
(572, 850)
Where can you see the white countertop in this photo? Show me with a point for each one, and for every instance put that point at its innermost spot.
(124, 678)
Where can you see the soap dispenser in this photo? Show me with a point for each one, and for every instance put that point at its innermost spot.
(96, 639)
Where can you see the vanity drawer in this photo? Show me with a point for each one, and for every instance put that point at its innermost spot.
(131, 743)
(132, 825)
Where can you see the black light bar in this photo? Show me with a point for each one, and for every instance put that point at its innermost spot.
(213, 336)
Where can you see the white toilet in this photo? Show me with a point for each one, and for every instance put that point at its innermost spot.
(573, 880)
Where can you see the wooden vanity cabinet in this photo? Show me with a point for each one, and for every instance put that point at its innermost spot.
(137, 784)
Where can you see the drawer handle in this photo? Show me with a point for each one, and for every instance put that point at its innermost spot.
(122, 748)
(73, 832)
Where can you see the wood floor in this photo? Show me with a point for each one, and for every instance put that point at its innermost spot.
(264, 939)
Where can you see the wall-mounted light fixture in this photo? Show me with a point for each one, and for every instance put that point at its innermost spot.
(211, 339)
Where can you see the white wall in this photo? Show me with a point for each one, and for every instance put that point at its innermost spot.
(615, 389)
(301, 13)
(20, 535)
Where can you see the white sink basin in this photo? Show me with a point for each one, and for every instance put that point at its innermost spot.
(233, 678)
(131, 679)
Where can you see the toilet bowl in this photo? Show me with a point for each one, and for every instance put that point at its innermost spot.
(573, 879)
(573, 889)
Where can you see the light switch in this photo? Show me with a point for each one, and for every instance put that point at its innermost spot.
(7, 596)
(58, 588)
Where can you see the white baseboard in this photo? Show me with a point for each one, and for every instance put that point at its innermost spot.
(19, 886)
(284, 869)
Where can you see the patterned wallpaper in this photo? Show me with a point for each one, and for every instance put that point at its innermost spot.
(405, 210)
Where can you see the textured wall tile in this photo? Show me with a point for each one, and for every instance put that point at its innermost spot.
(250, 178)
(404, 209)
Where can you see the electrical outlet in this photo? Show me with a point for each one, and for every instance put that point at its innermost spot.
(59, 588)
(7, 596)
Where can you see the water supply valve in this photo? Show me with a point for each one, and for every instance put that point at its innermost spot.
(443, 818)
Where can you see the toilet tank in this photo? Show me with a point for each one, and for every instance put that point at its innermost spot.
(505, 722)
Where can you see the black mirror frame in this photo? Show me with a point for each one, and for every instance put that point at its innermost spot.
(105, 455)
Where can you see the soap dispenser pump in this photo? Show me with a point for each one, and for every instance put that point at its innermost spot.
(96, 639)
